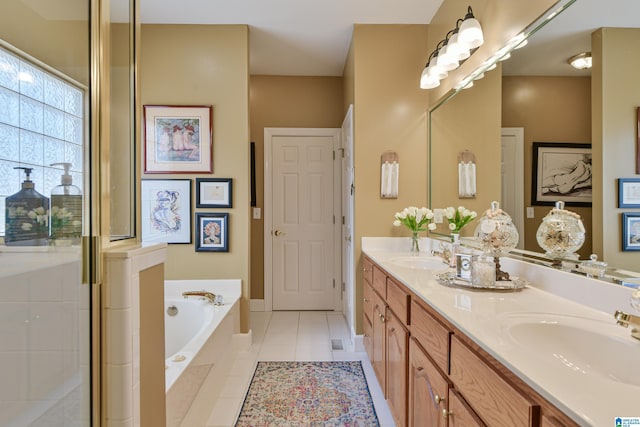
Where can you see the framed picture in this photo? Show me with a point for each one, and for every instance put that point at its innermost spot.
(629, 192)
(177, 139)
(213, 193)
(166, 210)
(212, 232)
(638, 140)
(630, 231)
(561, 172)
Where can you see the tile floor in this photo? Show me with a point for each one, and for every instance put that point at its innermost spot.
(288, 335)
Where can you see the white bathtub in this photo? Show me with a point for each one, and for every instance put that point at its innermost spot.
(198, 333)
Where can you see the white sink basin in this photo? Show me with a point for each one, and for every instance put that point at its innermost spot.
(418, 262)
(580, 344)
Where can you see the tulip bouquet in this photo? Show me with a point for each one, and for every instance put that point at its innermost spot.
(458, 218)
(416, 220)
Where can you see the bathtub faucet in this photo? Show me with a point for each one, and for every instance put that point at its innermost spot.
(204, 294)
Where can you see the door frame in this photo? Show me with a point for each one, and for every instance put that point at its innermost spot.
(518, 134)
(269, 134)
(347, 198)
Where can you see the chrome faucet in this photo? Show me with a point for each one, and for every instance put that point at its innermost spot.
(444, 253)
(204, 294)
(625, 319)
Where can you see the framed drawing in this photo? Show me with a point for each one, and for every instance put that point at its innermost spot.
(212, 232)
(166, 210)
(629, 192)
(638, 140)
(177, 139)
(630, 231)
(561, 171)
(213, 193)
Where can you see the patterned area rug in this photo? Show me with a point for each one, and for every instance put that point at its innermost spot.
(308, 394)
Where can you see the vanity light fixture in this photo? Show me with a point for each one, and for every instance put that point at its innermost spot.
(457, 46)
(581, 61)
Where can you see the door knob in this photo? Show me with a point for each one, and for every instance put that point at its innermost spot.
(347, 238)
(279, 233)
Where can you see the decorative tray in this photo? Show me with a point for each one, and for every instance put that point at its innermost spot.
(449, 278)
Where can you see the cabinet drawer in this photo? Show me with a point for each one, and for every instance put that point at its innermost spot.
(367, 270)
(491, 397)
(380, 282)
(431, 335)
(398, 300)
(460, 415)
(367, 301)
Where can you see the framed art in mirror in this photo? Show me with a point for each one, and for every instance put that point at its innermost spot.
(212, 232)
(213, 192)
(630, 231)
(561, 171)
(177, 139)
(166, 210)
(629, 192)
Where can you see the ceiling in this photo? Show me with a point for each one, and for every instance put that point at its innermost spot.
(569, 34)
(293, 37)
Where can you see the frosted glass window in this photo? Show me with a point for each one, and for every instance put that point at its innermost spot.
(41, 122)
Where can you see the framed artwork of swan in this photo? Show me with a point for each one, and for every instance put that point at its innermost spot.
(178, 139)
(561, 172)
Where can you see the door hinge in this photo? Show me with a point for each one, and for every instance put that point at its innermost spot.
(342, 219)
(334, 283)
(334, 154)
(343, 286)
(341, 152)
(334, 219)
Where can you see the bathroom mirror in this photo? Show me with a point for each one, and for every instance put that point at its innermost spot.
(472, 119)
(122, 112)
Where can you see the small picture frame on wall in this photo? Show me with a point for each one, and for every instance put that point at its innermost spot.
(214, 193)
(177, 139)
(630, 231)
(212, 232)
(166, 210)
(629, 192)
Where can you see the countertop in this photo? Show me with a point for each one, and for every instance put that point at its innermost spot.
(494, 320)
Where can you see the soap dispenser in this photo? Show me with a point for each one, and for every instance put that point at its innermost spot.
(26, 215)
(66, 209)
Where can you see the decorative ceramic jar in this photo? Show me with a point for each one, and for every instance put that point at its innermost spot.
(561, 233)
(497, 235)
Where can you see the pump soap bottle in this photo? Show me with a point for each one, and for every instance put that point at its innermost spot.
(66, 210)
(26, 216)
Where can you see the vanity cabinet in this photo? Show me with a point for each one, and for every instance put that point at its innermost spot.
(432, 374)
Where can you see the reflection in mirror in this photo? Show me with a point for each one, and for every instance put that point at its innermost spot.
(122, 120)
(543, 106)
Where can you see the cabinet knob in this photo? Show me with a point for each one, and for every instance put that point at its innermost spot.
(365, 300)
(382, 319)
(419, 368)
(365, 270)
(438, 399)
(446, 414)
(392, 329)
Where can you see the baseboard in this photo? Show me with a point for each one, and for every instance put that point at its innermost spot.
(358, 343)
(256, 305)
(242, 342)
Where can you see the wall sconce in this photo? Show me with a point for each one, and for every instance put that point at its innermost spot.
(454, 49)
(389, 175)
(581, 61)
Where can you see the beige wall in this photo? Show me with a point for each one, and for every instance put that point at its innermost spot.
(616, 95)
(500, 19)
(285, 101)
(62, 44)
(550, 109)
(389, 114)
(207, 65)
(468, 121)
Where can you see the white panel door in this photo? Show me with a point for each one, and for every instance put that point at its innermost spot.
(348, 269)
(302, 223)
(513, 178)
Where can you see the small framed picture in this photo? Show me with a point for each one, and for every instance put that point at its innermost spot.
(629, 192)
(212, 232)
(166, 210)
(213, 193)
(177, 139)
(630, 231)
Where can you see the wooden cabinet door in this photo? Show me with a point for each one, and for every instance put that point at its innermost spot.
(367, 337)
(460, 414)
(378, 341)
(428, 389)
(397, 360)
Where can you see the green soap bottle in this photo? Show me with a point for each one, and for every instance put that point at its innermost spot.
(66, 209)
(26, 216)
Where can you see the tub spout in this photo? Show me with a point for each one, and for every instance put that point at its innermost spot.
(204, 294)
